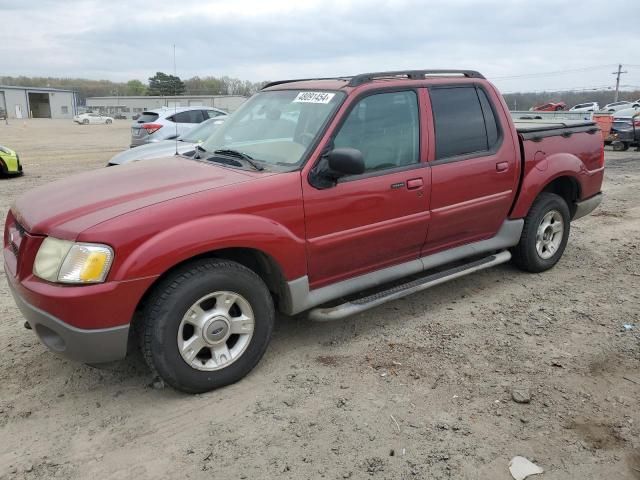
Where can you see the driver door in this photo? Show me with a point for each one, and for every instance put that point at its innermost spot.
(379, 218)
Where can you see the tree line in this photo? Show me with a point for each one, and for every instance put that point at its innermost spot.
(165, 84)
(160, 84)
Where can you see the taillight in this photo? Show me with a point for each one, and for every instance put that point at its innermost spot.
(151, 127)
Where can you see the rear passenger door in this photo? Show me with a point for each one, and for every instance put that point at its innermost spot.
(474, 169)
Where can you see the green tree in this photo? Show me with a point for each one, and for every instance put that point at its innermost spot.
(163, 84)
(135, 87)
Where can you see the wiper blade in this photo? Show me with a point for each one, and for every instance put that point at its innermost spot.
(244, 156)
(225, 161)
(199, 149)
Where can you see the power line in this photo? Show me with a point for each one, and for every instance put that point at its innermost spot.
(557, 72)
(574, 89)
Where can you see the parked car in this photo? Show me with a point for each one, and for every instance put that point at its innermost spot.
(585, 107)
(296, 215)
(550, 107)
(89, 118)
(9, 162)
(167, 123)
(615, 106)
(185, 145)
(625, 129)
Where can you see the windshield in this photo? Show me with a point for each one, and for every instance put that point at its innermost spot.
(202, 131)
(275, 128)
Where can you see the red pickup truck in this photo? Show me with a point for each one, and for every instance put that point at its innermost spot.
(322, 195)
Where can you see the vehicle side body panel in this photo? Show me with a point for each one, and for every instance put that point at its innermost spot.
(579, 157)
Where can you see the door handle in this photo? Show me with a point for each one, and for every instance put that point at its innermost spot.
(502, 166)
(414, 183)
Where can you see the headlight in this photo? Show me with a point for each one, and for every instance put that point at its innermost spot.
(68, 262)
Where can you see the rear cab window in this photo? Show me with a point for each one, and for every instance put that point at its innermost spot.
(464, 121)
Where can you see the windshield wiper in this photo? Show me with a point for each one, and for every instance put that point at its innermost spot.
(244, 156)
(198, 150)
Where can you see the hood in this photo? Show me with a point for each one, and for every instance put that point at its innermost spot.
(67, 207)
(160, 149)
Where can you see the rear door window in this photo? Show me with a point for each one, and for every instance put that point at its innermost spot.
(190, 116)
(464, 121)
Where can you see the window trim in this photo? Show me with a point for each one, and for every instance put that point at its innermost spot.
(376, 173)
(479, 153)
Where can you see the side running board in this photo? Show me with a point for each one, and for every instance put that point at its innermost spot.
(399, 291)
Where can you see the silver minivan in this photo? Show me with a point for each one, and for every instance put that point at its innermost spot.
(168, 122)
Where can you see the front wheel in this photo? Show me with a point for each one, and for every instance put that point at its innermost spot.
(207, 325)
(108, 121)
(85, 122)
(545, 234)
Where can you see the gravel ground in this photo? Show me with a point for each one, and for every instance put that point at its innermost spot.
(425, 387)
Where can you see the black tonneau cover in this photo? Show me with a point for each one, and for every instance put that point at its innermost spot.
(538, 129)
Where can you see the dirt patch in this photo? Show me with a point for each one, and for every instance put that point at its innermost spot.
(598, 434)
(633, 461)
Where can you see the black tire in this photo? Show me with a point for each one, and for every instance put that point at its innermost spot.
(85, 122)
(171, 300)
(108, 122)
(525, 254)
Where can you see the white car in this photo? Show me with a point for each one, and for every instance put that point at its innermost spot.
(87, 118)
(615, 106)
(169, 122)
(185, 144)
(585, 107)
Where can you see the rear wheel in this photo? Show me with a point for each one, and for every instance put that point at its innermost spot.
(108, 121)
(545, 234)
(620, 146)
(207, 325)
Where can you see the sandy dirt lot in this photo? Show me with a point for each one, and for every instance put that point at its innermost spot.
(419, 388)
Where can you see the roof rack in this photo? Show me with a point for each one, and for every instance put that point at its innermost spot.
(410, 74)
(355, 80)
(279, 82)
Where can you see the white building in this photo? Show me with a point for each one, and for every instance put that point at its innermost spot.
(130, 106)
(37, 102)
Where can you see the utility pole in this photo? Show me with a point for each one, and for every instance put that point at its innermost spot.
(617, 74)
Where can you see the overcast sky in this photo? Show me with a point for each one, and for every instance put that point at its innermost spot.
(274, 39)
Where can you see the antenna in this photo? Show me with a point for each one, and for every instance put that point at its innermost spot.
(175, 86)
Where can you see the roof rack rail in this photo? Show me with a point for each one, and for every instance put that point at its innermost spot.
(279, 82)
(410, 74)
(355, 80)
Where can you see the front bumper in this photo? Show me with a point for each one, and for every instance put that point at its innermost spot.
(82, 345)
(10, 166)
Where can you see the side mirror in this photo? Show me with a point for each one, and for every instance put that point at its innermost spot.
(338, 163)
(346, 161)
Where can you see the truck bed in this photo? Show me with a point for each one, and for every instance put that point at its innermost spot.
(538, 129)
